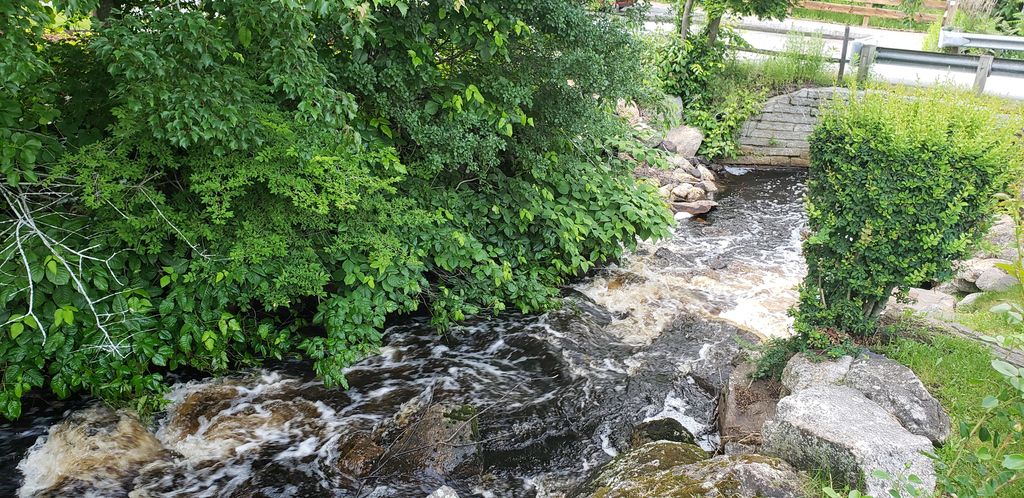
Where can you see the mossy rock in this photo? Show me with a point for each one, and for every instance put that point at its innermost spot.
(671, 469)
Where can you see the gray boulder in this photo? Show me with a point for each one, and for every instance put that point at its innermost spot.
(801, 373)
(995, 280)
(695, 207)
(838, 428)
(444, 492)
(683, 140)
(895, 388)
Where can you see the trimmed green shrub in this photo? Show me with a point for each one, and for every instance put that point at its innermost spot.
(901, 185)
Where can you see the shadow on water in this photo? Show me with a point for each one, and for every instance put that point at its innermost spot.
(549, 397)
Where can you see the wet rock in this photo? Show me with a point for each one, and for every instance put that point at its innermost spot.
(802, 372)
(995, 280)
(683, 140)
(746, 405)
(696, 207)
(442, 440)
(968, 301)
(444, 492)
(839, 430)
(662, 429)
(676, 469)
(358, 455)
(895, 388)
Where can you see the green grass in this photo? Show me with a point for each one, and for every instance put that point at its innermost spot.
(855, 20)
(958, 373)
(979, 318)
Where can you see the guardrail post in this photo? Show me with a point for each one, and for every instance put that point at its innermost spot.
(981, 75)
(842, 56)
(867, 55)
(950, 15)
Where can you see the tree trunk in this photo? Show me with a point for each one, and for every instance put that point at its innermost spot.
(684, 22)
(713, 26)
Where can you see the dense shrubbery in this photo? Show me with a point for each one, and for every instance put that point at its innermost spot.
(222, 182)
(901, 185)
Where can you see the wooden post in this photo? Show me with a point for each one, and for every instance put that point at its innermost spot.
(981, 75)
(867, 54)
(866, 21)
(950, 15)
(842, 55)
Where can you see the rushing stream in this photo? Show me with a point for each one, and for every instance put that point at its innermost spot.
(529, 404)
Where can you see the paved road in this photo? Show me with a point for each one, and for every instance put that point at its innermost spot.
(1004, 86)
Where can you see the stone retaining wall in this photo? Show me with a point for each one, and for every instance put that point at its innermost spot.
(778, 136)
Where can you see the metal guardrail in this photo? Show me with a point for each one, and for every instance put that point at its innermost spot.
(1008, 67)
(956, 39)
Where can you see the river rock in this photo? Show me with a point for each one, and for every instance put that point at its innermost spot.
(745, 406)
(662, 429)
(801, 372)
(995, 280)
(895, 388)
(708, 186)
(665, 468)
(444, 492)
(968, 272)
(686, 192)
(683, 140)
(705, 173)
(696, 207)
(839, 430)
(442, 440)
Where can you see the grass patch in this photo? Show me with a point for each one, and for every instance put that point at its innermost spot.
(855, 20)
(959, 374)
(979, 318)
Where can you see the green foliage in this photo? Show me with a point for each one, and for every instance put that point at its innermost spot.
(803, 61)
(901, 184)
(774, 356)
(224, 182)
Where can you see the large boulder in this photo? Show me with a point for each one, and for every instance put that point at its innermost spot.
(683, 140)
(995, 280)
(926, 302)
(839, 430)
(895, 388)
(664, 468)
(891, 385)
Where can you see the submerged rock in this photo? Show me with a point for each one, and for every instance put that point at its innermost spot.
(671, 469)
(442, 440)
(662, 429)
(838, 429)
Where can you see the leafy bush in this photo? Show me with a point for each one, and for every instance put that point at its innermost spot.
(901, 185)
(803, 61)
(307, 171)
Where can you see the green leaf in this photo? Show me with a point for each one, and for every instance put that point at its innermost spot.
(165, 280)
(244, 36)
(1014, 461)
(1004, 368)
(989, 402)
(16, 329)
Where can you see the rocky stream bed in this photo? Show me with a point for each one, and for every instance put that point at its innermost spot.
(501, 407)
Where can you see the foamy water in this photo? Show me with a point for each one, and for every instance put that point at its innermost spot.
(742, 264)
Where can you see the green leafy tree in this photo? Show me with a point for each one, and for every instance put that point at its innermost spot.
(214, 183)
(901, 185)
